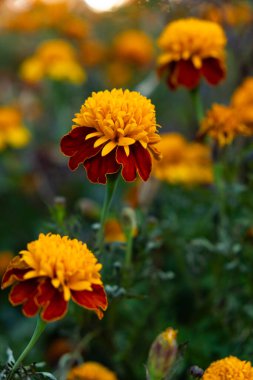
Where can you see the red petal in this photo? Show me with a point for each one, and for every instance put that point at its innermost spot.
(25, 293)
(15, 271)
(97, 167)
(187, 74)
(86, 151)
(213, 70)
(51, 300)
(72, 142)
(143, 160)
(128, 164)
(92, 300)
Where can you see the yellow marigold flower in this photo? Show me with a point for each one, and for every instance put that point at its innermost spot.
(114, 130)
(192, 48)
(134, 47)
(183, 162)
(52, 271)
(5, 258)
(91, 371)
(223, 123)
(55, 59)
(229, 368)
(242, 100)
(12, 132)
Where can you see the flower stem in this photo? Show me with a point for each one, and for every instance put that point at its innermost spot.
(112, 181)
(129, 248)
(40, 327)
(197, 103)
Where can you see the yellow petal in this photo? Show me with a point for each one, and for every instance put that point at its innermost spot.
(100, 141)
(94, 134)
(127, 150)
(197, 63)
(126, 141)
(108, 148)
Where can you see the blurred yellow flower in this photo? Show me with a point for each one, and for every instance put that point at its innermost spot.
(5, 258)
(55, 59)
(229, 368)
(133, 47)
(223, 123)
(233, 14)
(113, 232)
(183, 162)
(91, 371)
(12, 132)
(242, 100)
(192, 48)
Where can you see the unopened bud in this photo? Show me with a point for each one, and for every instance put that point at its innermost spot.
(162, 355)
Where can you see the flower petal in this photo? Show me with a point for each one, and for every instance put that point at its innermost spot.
(108, 148)
(213, 70)
(183, 73)
(92, 300)
(128, 164)
(16, 270)
(72, 142)
(143, 160)
(97, 167)
(86, 151)
(25, 293)
(51, 300)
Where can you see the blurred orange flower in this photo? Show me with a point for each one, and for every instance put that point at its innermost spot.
(12, 131)
(113, 231)
(242, 101)
(234, 14)
(92, 52)
(55, 59)
(183, 162)
(223, 123)
(229, 368)
(52, 271)
(91, 371)
(192, 48)
(114, 130)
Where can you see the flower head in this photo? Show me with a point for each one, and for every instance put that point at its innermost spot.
(12, 131)
(192, 48)
(183, 162)
(223, 124)
(91, 371)
(242, 101)
(229, 368)
(55, 59)
(133, 47)
(114, 129)
(52, 271)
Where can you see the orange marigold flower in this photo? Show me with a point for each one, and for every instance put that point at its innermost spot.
(134, 47)
(229, 368)
(183, 162)
(114, 130)
(230, 14)
(5, 258)
(242, 101)
(91, 371)
(223, 124)
(12, 131)
(52, 271)
(113, 231)
(192, 48)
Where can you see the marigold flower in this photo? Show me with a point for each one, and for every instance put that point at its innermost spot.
(192, 48)
(183, 162)
(55, 59)
(114, 130)
(91, 371)
(242, 101)
(52, 271)
(5, 258)
(12, 132)
(223, 124)
(230, 14)
(133, 47)
(229, 368)
(113, 231)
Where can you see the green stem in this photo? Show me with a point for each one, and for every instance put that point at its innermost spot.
(112, 181)
(129, 248)
(40, 327)
(197, 103)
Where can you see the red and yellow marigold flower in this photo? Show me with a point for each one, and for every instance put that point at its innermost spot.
(91, 371)
(52, 271)
(223, 124)
(114, 130)
(229, 368)
(242, 101)
(12, 131)
(192, 48)
(183, 162)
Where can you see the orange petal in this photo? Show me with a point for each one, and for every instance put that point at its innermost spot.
(15, 271)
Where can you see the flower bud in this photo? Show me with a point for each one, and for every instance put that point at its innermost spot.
(162, 354)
